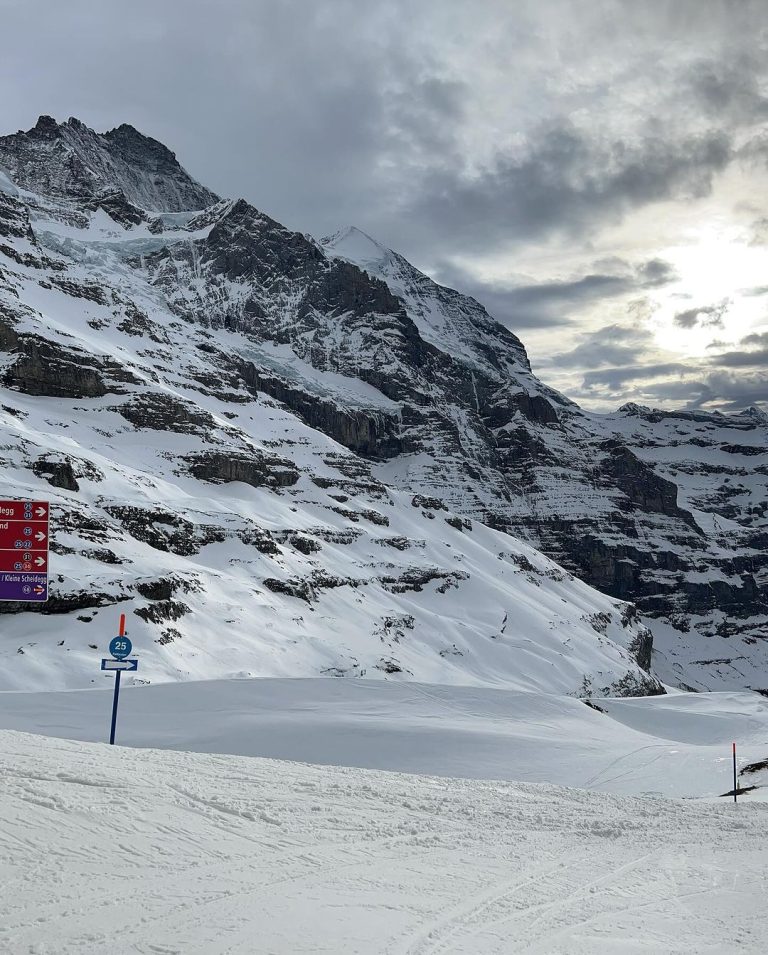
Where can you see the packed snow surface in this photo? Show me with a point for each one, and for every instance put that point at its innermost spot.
(110, 849)
(675, 746)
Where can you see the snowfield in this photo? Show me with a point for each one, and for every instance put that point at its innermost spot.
(674, 746)
(110, 849)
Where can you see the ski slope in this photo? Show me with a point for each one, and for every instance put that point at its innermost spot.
(674, 746)
(110, 849)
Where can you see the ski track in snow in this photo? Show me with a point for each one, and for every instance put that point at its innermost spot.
(120, 850)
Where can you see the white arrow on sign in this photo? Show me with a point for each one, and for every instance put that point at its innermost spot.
(39, 561)
(119, 664)
(40, 512)
(39, 536)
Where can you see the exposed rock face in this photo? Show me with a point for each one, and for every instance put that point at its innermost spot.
(225, 324)
(45, 368)
(642, 487)
(165, 413)
(14, 221)
(117, 207)
(369, 434)
(256, 470)
(69, 160)
(57, 473)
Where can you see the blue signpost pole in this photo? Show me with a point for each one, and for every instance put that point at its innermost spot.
(120, 647)
(114, 708)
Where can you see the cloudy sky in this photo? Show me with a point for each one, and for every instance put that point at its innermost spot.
(596, 173)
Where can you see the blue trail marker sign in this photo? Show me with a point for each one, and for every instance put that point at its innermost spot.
(119, 647)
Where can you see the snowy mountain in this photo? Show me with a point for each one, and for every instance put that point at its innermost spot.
(667, 509)
(288, 457)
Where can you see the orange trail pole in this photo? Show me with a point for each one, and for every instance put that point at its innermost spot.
(122, 628)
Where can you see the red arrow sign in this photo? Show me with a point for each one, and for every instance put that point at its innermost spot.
(24, 561)
(24, 510)
(23, 535)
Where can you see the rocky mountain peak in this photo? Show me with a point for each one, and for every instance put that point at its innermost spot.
(45, 126)
(143, 150)
(71, 161)
(356, 246)
(756, 413)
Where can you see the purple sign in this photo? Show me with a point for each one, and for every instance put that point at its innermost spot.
(23, 586)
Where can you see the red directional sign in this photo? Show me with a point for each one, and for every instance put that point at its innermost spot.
(23, 535)
(24, 510)
(24, 560)
(24, 540)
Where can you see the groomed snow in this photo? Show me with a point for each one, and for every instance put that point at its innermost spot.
(141, 851)
(674, 746)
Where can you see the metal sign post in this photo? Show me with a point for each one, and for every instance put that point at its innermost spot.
(24, 538)
(119, 647)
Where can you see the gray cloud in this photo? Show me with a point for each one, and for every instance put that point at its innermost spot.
(616, 378)
(689, 386)
(613, 345)
(743, 359)
(756, 338)
(705, 316)
(755, 149)
(729, 86)
(656, 272)
(548, 304)
(364, 112)
(568, 183)
(729, 381)
(754, 353)
(724, 391)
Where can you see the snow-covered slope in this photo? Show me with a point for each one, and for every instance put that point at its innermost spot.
(668, 509)
(287, 441)
(119, 850)
(239, 538)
